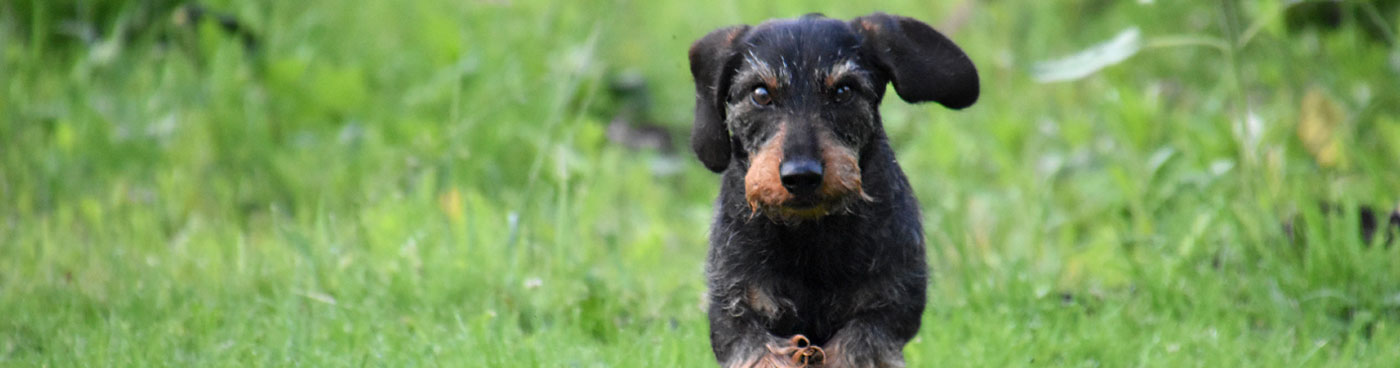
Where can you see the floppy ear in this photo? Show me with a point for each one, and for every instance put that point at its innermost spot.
(923, 64)
(712, 62)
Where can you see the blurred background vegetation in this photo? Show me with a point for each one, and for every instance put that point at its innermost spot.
(503, 183)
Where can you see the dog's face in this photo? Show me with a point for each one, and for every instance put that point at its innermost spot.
(795, 102)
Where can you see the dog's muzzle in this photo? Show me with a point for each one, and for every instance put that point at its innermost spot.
(802, 188)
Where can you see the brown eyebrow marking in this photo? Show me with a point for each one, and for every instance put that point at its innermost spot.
(766, 72)
(838, 71)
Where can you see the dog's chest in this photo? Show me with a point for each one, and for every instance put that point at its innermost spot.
(789, 307)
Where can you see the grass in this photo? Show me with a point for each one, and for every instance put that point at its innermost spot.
(391, 183)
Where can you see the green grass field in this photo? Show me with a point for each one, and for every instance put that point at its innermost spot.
(429, 183)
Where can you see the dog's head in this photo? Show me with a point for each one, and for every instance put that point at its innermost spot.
(801, 100)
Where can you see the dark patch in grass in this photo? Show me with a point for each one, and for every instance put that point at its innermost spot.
(18, 341)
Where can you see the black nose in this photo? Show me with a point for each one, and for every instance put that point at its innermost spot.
(801, 176)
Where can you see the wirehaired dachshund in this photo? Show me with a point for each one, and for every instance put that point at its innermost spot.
(816, 254)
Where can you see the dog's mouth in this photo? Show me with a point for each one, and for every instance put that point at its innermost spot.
(809, 208)
(803, 203)
(817, 203)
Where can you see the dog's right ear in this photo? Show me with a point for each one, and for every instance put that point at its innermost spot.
(713, 60)
(923, 64)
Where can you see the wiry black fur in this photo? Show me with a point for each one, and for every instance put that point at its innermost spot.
(855, 277)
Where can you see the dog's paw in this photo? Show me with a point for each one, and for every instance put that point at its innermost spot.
(797, 351)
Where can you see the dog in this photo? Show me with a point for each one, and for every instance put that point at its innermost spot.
(816, 253)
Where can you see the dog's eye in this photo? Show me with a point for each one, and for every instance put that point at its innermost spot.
(842, 94)
(760, 97)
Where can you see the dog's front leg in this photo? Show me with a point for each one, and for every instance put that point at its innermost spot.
(740, 337)
(764, 350)
(866, 343)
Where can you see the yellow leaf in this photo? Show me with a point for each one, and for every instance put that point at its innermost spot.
(1319, 124)
(451, 204)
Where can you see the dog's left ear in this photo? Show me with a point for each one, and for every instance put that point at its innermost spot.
(713, 59)
(923, 64)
